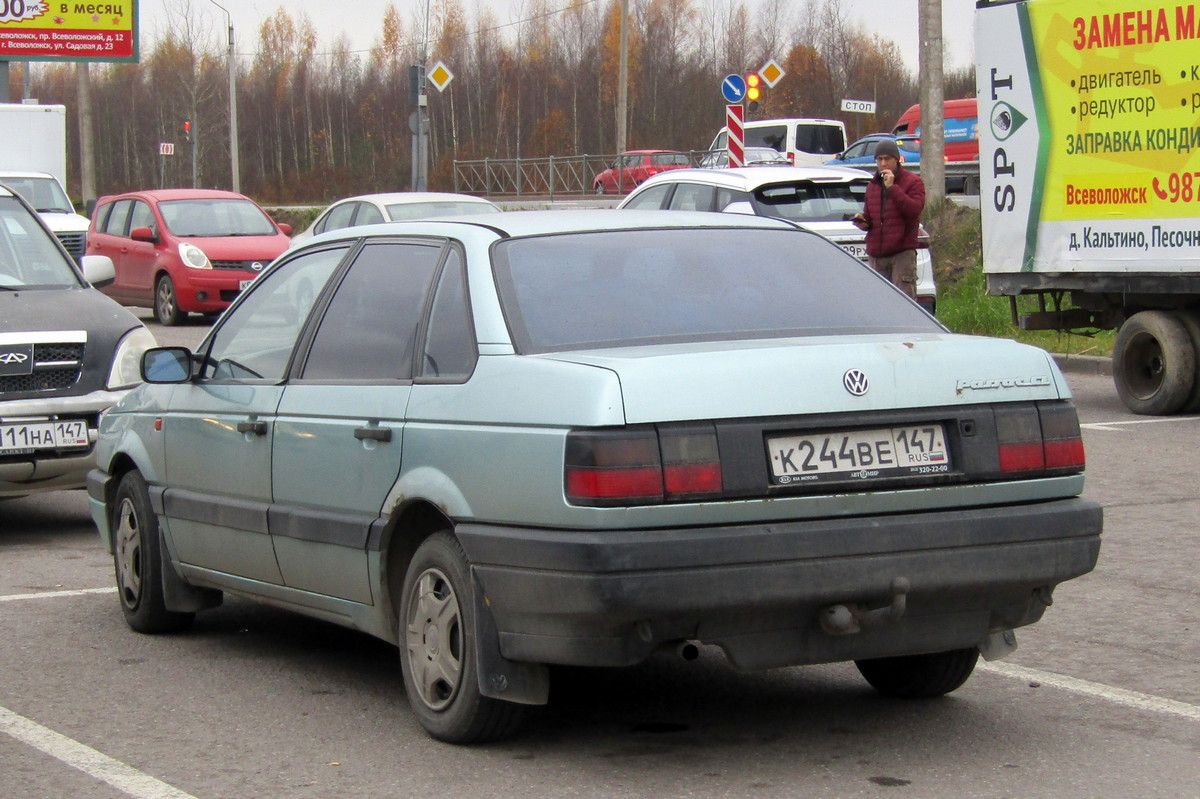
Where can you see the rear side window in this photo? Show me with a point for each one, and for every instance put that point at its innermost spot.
(641, 287)
(773, 136)
(692, 197)
(369, 330)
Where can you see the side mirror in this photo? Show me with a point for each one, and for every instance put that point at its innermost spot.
(167, 365)
(143, 234)
(98, 270)
(284, 228)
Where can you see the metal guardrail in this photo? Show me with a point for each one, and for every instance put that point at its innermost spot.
(573, 175)
(553, 175)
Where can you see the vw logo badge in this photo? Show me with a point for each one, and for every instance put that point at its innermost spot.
(256, 266)
(13, 357)
(856, 382)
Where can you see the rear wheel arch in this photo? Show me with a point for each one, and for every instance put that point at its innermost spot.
(404, 533)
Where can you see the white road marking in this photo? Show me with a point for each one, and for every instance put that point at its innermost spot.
(1120, 696)
(1116, 426)
(56, 594)
(124, 778)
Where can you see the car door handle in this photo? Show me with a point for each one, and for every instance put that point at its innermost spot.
(373, 433)
(255, 427)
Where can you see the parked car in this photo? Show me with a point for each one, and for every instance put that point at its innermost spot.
(823, 199)
(370, 209)
(553, 437)
(183, 250)
(634, 166)
(861, 154)
(751, 156)
(67, 353)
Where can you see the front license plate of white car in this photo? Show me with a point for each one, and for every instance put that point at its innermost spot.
(859, 251)
(27, 437)
(859, 454)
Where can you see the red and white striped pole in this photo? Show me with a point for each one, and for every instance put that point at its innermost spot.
(734, 117)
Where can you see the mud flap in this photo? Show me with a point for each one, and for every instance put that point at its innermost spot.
(500, 678)
(178, 596)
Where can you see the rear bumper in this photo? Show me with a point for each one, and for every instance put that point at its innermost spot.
(610, 598)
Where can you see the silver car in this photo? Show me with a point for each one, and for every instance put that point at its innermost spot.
(396, 206)
(533, 438)
(823, 199)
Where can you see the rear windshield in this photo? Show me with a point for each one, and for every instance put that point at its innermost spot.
(822, 139)
(640, 287)
(805, 201)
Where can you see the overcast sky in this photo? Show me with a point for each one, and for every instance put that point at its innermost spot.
(358, 19)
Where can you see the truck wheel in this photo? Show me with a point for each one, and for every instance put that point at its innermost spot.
(1154, 363)
(1191, 322)
(919, 676)
(437, 649)
(136, 554)
(166, 302)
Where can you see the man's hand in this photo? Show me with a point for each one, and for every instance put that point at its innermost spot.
(860, 222)
(888, 176)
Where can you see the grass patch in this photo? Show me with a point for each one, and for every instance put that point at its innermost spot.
(963, 304)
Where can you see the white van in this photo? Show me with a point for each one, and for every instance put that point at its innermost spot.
(807, 142)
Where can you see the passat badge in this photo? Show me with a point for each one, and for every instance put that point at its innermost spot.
(856, 382)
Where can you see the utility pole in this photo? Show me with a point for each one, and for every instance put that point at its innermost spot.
(234, 165)
(933, 122)
(87, 153)
(623, 79)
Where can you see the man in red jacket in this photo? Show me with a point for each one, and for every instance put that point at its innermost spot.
(891, 215)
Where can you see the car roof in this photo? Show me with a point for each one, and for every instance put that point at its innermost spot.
(750, 178)
(400, 197)
(514, 224)
(179, 194)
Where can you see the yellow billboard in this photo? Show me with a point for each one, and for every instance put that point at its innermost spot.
(53, 30)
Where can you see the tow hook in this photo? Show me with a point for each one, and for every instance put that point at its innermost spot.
(851, 617)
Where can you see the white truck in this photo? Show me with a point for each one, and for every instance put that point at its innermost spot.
(33, 163)
(1090, 172)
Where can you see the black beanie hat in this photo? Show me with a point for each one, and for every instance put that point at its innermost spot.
(887, 147)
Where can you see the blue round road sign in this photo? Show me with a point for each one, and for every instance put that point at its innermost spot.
(733, 88)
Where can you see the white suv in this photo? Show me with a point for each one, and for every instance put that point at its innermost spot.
(822, 199)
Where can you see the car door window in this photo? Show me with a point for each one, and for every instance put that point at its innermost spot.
(369, 330)
(651, 198)
(450, 343)
(692, 197)
(142, 216)
(118, 220)
(367, 215)
(338, 217)
(255, 341)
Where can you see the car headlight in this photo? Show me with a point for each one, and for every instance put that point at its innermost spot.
(126, 369)
(194, 257)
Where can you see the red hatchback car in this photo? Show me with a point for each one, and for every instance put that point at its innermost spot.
(634, 166)
(181, 250)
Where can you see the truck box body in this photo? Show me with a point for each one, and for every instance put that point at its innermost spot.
(1090, 173)
(35, 147)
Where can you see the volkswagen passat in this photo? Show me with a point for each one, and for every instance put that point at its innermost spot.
(533, 438)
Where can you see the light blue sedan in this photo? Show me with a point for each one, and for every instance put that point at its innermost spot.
(516, 440)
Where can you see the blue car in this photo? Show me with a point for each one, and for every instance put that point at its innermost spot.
(861, 154)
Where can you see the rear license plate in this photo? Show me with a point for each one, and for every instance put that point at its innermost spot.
(25, 438)
(859, 454)
(858, 250)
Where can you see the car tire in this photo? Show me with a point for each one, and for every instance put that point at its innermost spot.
(599, 188)
(166, 302)
(137, 558)
(919, 676)
(1154, 363)
(437, 649)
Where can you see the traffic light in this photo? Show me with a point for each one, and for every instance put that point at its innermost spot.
(187, 131)
(753, 90)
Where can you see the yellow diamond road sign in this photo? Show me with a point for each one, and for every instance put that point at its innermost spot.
(440, 76)
(771, 72)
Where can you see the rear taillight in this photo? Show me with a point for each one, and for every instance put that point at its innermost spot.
(1039, 437)
(642, 465)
